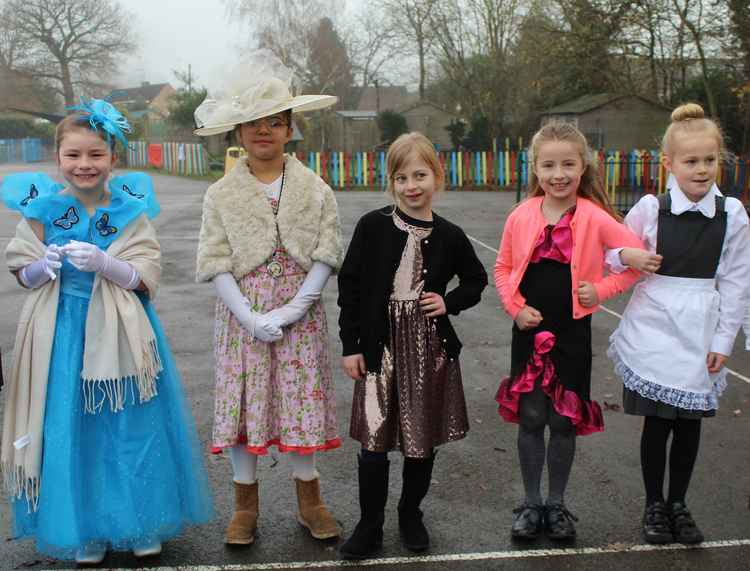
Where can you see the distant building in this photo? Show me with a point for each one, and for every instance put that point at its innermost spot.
(612, 121)
(150, 97)
(431, 120)
(382, 97)
(20, 91)
(357, 129)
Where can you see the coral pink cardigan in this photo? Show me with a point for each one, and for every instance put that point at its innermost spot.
(594, 231)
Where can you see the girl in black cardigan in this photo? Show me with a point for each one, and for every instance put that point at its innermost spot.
(398, 343)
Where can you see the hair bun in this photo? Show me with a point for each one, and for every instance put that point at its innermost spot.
(688, 111)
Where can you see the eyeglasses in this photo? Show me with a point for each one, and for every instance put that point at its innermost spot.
(273, 123)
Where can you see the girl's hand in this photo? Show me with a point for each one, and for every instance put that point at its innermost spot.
(85, 256)
(354, 366)
(432, 304)
(715, 362)
(528, 318)
(642, 260)
(587, 295)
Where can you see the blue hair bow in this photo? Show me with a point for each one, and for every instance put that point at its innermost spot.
(102, 114)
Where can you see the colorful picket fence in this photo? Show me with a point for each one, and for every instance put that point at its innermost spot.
(21, 150)
(174, 158)
(463, 170)
(627, 175)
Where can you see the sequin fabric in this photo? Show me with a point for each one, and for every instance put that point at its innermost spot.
(416, 402)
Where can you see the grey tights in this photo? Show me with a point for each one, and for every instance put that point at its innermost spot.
(536, 412)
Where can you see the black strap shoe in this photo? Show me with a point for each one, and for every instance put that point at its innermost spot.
(528, 520)
(558, 522)
(656, 527)
(683, 525)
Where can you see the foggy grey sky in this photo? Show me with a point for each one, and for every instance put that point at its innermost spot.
(174, 33)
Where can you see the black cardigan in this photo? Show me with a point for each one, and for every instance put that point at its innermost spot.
(366, 281)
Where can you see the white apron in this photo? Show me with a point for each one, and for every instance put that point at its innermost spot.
(662, 343)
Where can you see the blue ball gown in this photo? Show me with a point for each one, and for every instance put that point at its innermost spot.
(127, 478)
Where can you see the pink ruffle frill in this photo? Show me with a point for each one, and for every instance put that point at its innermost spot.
(586, 416)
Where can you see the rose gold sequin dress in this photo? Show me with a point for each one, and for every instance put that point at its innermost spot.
(416, 402)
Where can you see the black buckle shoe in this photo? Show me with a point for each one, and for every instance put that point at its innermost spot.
(683, 525)
(528, 521)
(558, 522)
(656, 528)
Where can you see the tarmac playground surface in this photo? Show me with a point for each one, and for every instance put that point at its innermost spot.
(476, 482)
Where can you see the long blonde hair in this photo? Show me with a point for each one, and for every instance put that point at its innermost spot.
(690, 119)
(403, 147)
(591, 186)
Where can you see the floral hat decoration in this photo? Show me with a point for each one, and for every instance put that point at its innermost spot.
(103, 115)
(259, 86)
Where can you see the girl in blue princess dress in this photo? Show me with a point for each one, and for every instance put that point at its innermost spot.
(99, 448)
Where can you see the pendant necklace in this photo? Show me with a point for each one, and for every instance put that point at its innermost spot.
(275, 267)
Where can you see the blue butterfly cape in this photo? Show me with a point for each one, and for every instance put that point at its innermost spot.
(39, 197)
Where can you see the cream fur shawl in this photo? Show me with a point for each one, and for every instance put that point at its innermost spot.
(119, 349)
(238, 232)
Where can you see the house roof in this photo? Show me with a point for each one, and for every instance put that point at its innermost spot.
(587, 103)
(423, 103)
(384, 97)
(358, 115)
(147, 91)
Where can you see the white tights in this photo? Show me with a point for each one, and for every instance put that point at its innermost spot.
(245, 465)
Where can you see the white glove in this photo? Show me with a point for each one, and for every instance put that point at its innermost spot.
(90, 258)
(308, 294)
(256, 324)
(44, 269)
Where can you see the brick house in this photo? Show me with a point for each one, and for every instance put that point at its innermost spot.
(154, 97)
(612, 121)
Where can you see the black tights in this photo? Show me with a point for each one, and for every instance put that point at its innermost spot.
(536, 412)
(686, 436)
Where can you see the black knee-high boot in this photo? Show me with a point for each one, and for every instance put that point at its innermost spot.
(417, 477)
(367, 537)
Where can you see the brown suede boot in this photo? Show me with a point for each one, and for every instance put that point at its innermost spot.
(313, 513)
(241, 530)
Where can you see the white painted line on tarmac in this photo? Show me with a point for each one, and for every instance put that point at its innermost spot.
(614, 313)
(461, 557)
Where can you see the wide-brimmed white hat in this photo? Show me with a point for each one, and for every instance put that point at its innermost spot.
(259, 86)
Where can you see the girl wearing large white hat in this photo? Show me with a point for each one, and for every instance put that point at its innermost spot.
(269, 240)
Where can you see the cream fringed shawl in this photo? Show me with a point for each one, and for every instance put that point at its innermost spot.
(119, 349)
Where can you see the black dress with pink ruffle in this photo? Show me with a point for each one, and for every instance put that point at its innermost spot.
(556, 355)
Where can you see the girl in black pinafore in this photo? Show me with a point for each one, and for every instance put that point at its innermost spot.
(680, 324)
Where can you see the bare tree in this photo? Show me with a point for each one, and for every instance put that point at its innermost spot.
(70, 44)
(704, 32)
(287, 28)
(473, 41)
(410, 22)
(13, 46)
(372, 46)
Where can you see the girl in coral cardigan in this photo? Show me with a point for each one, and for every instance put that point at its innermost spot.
(549, 275)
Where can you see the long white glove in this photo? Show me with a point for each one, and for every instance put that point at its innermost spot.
(308, 294)
(90, 258)
(256, 324)
(44, 269)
